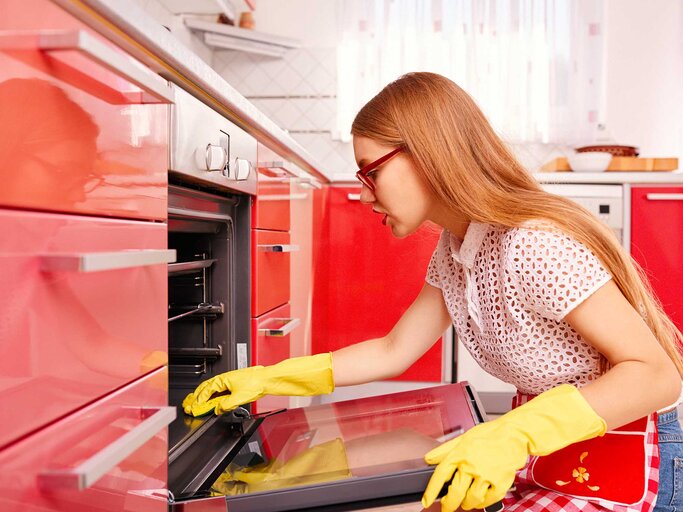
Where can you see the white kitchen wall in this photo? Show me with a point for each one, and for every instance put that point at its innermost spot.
(644, 76)
(174, 23)
(298, 91)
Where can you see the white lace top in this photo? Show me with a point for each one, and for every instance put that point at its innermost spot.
(508, 291)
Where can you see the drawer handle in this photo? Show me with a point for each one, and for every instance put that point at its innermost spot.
(89, 471)
(98, 261)
(353, 197)
(309, 182)
(106, 57)
(278, 248)
(664, 197)
(283, 197)
(276, 170)
(292, 323)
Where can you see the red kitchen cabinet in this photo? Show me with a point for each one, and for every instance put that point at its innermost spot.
(87, 309)
(270, 275)
(272, 253)
(83, 125)
(272, 204)
(83, 313)
(110, 456)
(270, 334)
(365, 278)
(657, 242)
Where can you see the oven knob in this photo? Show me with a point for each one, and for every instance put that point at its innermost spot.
(242, 169)
(215, 157)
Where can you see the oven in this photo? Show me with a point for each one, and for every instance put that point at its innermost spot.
(211, 182)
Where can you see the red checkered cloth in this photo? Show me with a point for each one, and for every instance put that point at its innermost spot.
(527, 495)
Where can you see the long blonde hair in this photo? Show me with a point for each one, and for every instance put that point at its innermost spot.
(466, 165)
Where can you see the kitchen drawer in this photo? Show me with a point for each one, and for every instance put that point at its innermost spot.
(109, 456)
(69, 335)
(84, 126)
(270, 274)
(271, 207)
(270, 335)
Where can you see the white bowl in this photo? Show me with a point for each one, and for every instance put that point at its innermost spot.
(592, 161)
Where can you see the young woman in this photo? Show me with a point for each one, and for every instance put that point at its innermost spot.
(540, 293)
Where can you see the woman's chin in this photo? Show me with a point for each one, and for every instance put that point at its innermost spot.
(400, 230)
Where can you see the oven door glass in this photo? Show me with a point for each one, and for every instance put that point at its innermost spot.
(346, 451)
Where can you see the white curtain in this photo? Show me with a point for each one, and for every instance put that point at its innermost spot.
(535, 67)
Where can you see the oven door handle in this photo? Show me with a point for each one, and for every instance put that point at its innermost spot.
(106, 57)
(292, 323)
(91, 470)
(99, 261)
(278, 248)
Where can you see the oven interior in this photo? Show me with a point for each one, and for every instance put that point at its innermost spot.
(208, 322)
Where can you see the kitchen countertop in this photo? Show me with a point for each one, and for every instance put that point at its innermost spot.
(575, 177)
(129, 26)
(609, 177)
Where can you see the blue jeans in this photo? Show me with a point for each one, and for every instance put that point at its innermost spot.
(670, 493)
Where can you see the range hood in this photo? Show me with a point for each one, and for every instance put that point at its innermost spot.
(226, 37)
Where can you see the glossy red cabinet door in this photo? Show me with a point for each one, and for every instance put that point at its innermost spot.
(76, 134)
(657, 243)
(70, 333)
(270, 273)
(271, 209)
(270, 345)
(109, 456)
(364, 278)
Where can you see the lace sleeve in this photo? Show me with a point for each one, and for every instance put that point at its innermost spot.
(433, 276)
(550, 272)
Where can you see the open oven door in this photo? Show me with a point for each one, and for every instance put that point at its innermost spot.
(358, 451)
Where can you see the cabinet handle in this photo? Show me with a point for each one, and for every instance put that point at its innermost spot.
(292, 323)
(89, 471)
(309, 182)
(278, 248)
(279, 169)
(353, 197)
(106, 57)
(664, 197)
(98, 261)
(283, 197)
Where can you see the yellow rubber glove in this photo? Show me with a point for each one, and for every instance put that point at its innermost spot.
(322, 463)
(299, 376)
(482, 462)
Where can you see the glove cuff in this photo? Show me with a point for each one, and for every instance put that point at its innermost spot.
(300, 376)
(557, 418)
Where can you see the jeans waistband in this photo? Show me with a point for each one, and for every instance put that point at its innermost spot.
(667, 417)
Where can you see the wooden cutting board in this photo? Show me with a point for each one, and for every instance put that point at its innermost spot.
(620, 164)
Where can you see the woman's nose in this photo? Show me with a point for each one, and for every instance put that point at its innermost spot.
(366, 195)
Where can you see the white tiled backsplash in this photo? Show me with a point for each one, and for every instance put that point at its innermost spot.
(298, 92)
